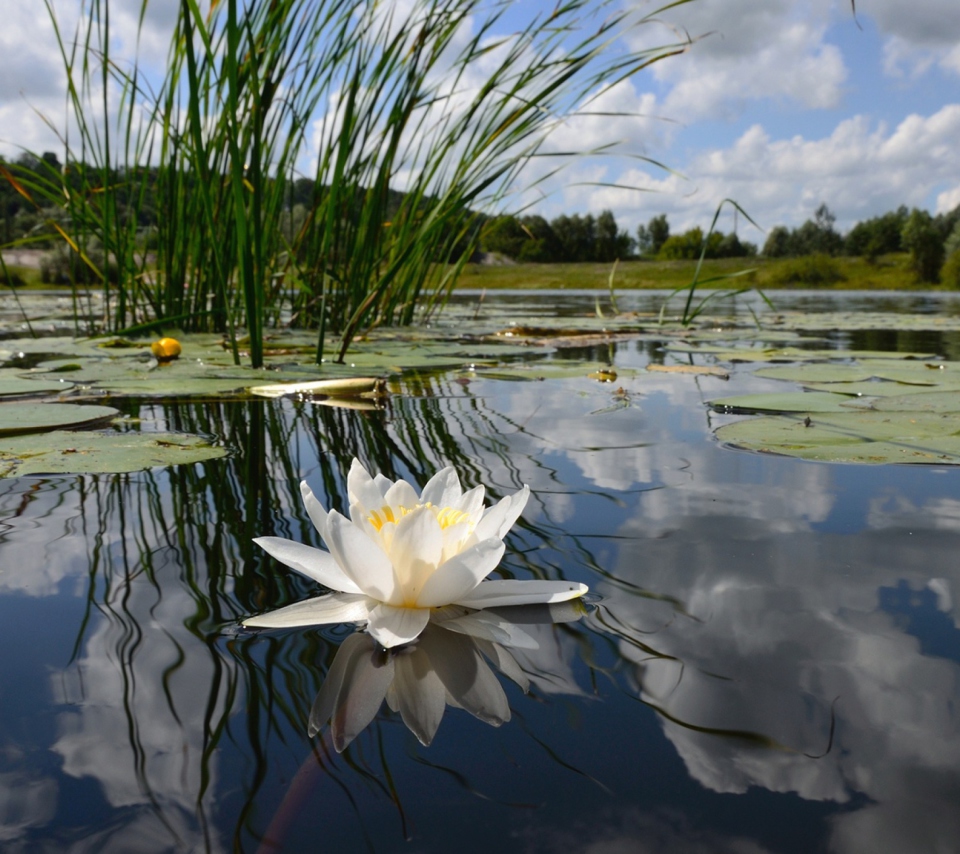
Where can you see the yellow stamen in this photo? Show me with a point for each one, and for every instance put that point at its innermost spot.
(446, 516)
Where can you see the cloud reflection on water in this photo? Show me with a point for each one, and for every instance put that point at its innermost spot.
(782, 625)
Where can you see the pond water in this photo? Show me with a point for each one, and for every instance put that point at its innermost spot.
(769, 660)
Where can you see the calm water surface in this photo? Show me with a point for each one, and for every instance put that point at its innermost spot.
(770, 663)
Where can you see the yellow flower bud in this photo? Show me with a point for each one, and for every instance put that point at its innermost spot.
(166, 349)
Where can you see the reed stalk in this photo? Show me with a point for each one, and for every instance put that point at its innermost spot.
(411, 127)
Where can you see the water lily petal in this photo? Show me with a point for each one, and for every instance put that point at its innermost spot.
(455, 579)
(443, 489)
(362, 489)
(471, 502)
(500, 518)
(361, 559)
(319, 611)
(401, 494)
(493, 594)
(490, 626)
(419, 694)
(415, 552)
(360, 517)
(319, 565)
(394, 626)
(383, 483)
(315, 510)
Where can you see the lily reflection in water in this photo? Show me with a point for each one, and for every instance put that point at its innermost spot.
(447, 665)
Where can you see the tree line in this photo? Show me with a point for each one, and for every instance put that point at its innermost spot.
(933, 242)
(566, 238)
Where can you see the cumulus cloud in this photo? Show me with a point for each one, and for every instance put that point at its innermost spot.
(743, 51)
(917, 36)
(861, 169)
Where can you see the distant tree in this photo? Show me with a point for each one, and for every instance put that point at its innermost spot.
(577, 236)
(730, 246)
(542, 245)
(952, 243)
(923, 240)
(504, 235)
(877, 236)
(644, 240)
(817, 235)
(684, 246)
(612, 243)
(51, 160)
(659, 230)
(777, 244)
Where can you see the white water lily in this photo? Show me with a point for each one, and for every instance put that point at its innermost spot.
(401, 555)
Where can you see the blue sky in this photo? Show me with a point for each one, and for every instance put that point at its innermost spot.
(779, 104)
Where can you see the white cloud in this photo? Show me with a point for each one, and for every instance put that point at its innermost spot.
(860, 170)
(745, 51)
(916, 36)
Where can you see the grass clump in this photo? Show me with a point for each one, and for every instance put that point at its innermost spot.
(357, 97)
(817, 270)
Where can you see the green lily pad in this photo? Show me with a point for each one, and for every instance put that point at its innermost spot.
(930, 401)
(38, 417)
(853, 437)
(879, 388)
(10, 386)
(171, 387)
(790, 401)
(64, 452)
(548, 370)
(818, 372)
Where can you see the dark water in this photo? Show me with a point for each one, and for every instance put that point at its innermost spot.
(771, 665)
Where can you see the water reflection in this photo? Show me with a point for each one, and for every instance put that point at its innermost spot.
(445, 666)
(803, 606)
(784, 630)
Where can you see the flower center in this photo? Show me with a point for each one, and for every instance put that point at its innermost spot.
(446, 516)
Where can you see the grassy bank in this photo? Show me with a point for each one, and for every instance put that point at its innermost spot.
(890, 272)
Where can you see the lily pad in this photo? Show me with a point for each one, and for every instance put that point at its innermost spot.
(879, 388)
(549, 370)
(790, 401)
(931, 401)
(171, 387)
(819, 372)
(38, 417)
(12, 385)
(854, 437)
(64, 452)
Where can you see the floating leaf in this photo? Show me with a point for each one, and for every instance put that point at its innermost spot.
(856, 437)
(36, 417)
(544, 370)
(89, 452)
(930, 401)
(170, 387)
(704, 370)
(878, 388)
(790, 401)
(10, 386)
(820, 372)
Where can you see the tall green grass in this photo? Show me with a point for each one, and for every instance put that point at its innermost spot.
(364, 99)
